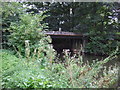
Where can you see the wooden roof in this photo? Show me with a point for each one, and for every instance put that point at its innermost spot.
(62, 33)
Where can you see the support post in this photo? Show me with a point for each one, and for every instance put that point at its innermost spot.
(83, 46)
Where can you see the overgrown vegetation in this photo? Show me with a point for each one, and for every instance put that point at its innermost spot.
(28, 57)
(19, 73)
(27, 28)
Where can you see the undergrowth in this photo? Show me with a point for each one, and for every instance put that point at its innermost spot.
(21, 73)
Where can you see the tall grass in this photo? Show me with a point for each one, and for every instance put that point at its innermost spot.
(73, 73)
(87, 75)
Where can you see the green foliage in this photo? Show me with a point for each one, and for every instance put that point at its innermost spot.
(85, 17)
(28, 39)
(95, 19)
(102, 45)
(26, 34)
(8, 61)
(28, 28)
(9, 13)
(74, 73)
(36, 68)
(17, 73)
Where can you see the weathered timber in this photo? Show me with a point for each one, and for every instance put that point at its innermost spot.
(72, 42)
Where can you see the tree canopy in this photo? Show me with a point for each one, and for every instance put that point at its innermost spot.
(98, 20)
(80, 16)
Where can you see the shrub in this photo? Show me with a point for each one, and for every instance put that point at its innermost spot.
(28, 39)
(74, 73)
(9, 61)
(101, 44)
(27, 28)
(17, 73)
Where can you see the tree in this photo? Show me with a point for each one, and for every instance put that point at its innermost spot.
(94, 19)
(26, 28)
(10, 13)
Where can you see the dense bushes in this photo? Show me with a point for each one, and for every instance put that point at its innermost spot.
(19, 73)
(27, 28)
(23, 26)
(102, 45)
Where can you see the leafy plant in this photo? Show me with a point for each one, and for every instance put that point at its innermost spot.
(18, 73)
(74, 73)
(28, 28)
